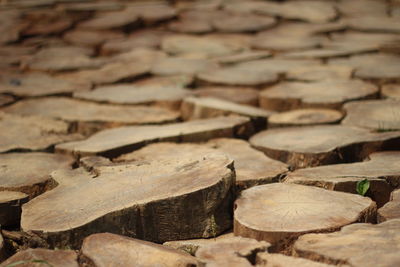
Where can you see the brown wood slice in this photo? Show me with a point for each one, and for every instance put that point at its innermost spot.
(374, 24)
(90, 117)
(10, 26)
(125, 139)
(323, 94)
(170, 96)
(6, 99)
(276, 65)
(285, 41)
(176, 65)
(321, 145)
(304, 117)
(264, 259)
(56, 258)
(391, 91)
(243, 57)
(236, 251)
(156, 201)
(320, 73)
(391, 210)
(38, 133)
(111, 20)
(242, 22)
(381, 171)
(323, 52)
(10, 207)
(90, 38)
(115, 250)
(186, 44)
(90, 6)
(207, 107)
(357, 245)
(280, 213)
(38, 84)
(240, 95)
(34, 178)
(379, 115)
(238, 76)
(182, 80)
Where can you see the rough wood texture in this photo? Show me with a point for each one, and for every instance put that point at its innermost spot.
(358, 245)
(176, 65)
(121, 140)
(237, 251)
(304, 117)
(88, 117)
(391, 91)
(56, 258)
(324, 94)
(380, 115)
(382, 170)
(321, 145)
(156, 201)
(38, 84)
(240, 95)
(114, 250)
(34, 178)
(39, 133)
(131, 94)
(280, 213)
(10, 207)
(320, 73)
(208, 107)
(264, 259)
(391, 210)
(251, 166)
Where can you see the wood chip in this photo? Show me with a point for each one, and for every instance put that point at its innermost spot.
(258, 208)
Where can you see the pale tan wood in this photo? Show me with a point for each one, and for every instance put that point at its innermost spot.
(56, 258)
(90, 37)
(285, 41)
(378, 115)
(320, 73)
(89, 117)
(391, 91)
(324, 53)
(280, 213)
(115, 250)
(359, 8)
(34, 177)
(252, 167)
(240, 95)
(236, 251)
(244, 56)
(155, 200)
(391, 210)
(241, 22)
(6, 99)
(304, 117)
(356, 245)
(10, 26)
(264, 259)
(111, 20)
(208, 107)
(39, 133)
(323, 144)
(322, 94)
(170, 96)
(374, 24)
(90, 6)
(38, 84)
(178, 65)
(113, 142)
(381, 170)
(183, 80)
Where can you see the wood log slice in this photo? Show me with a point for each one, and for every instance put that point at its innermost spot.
(264, 259)
(237, 251)
(381, 170)
(114, 250)
(177, 65)
(111, 20)
(90, 37)
(242, 22)
(39, 133)
(320, 73)
(391, 91)
(304, 117)
(321, 145)
(240, 95)
(374, 24)
(208, 107)
(323, 94)
(113, 142)
(371, 245)
(10, 207)
(88, 117)
(34, 178)
(280, 213)
(34, 256)
(391, 210)
(158, 201)
(379, 115)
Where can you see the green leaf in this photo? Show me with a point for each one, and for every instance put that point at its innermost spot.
(362, 187)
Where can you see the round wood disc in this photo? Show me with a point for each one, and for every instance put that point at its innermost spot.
(380, 115)
(176, 65)
(242, 22)
(279, 213)
(240, 95)
(299, 117)
(320, 73)
(61, 257)
(283, 42)
(324, 94)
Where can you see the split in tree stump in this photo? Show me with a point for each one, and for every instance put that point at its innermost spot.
(10, 207)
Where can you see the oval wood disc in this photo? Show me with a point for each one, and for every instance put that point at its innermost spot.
(279, 213)
(299, 117)
(392, 209)
(391, 91)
